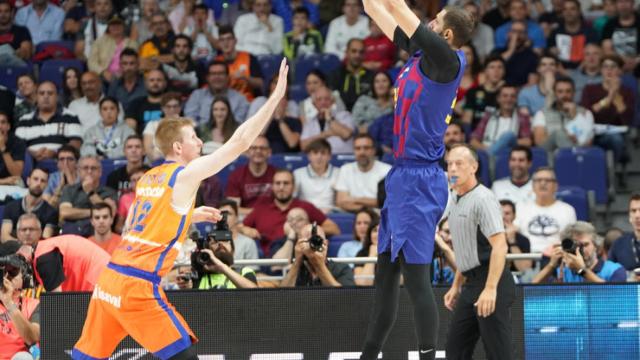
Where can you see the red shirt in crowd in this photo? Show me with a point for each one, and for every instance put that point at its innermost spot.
(609, 115)
(269, 220)
(381, 49)
(242, 184)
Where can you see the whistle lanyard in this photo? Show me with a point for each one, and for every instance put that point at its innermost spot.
(107, 137)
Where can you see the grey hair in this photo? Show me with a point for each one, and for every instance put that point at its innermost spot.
(28, 216)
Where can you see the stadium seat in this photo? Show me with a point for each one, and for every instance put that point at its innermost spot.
(69, 45)
(53, 70)
(539, 155)
(388, 158)
(585, 168)
(484, 172)
(393, 72)
(297, 92)
(49, 164)
(340, 159)
(9, 75)
(2, 212)
(28, 166)
(322, 62)
(269, 66)
(344, 221)
(223, 175)
(288, 161)
(335, 242)
(576, 197)
(204, 228)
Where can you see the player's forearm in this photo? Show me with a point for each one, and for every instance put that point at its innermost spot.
(406, 19)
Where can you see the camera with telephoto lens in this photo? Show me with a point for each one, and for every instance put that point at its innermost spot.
(569, 245)
(316, 242)
(221, 233)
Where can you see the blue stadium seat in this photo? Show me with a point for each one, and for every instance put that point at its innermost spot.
(340, 159)
(322, 62)
(289, 161)
(484, 173)
(223, 175)
(393, 72)
(9, 75)
(269, 66)
(344, 221)
(69, 45)
(576, 197)
(539, 155)
(204, 228)
(53, 70)
(108, 165)
(50, 164)
(335, 242)
(388, 158)
(2, 212)
(28, 166)
(297, 92)
(585, 168)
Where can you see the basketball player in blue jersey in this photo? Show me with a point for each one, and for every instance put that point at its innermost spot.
(416, 186)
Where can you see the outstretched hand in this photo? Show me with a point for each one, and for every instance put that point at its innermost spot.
(281, 87)
(206, 214)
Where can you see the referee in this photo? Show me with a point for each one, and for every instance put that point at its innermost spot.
(483, 289)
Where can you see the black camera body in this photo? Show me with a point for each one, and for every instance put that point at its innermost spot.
(316, 242)
(16, 263)
(220, 233)
(569, 245)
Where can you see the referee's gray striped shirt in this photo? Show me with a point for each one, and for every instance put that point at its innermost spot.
(474, 217)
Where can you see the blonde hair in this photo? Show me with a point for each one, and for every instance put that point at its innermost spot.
(168, 132)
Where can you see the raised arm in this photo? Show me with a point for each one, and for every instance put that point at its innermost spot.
(206, 166)
(376, 10)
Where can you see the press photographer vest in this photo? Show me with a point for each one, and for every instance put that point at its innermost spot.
(605, 273)
(220, 281)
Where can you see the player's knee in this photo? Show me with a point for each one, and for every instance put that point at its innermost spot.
(187, 354)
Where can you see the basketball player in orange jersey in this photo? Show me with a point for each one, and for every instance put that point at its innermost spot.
(128, 300)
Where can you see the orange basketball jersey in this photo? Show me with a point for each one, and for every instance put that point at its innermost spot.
(155, 229)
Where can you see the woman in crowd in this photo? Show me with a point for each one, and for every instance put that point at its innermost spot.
(370, 107)
(221, 126)
(106, 138)
(364, 273)
(364, 218)
(71, 85)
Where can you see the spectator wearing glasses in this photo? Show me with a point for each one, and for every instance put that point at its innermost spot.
(29, 230)
(77, 199)
(67, 174)
(250, 181)
(542, 220)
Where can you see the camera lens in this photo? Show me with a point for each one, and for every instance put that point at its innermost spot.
(204, 258)
(568, 245)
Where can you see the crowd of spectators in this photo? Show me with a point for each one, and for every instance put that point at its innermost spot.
(546, 73)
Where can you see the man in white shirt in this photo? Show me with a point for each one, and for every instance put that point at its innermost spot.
(260, 32)
(518, 187)
(564, 123)
(315, 182)
(334, 126)
(87, 108)
(346, 27)
(542, 220)
(357, 184)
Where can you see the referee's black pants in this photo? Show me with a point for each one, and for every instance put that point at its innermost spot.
(466, 326)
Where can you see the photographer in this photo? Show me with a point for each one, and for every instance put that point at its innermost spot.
(311, 267)
(214, 262)
(576, 260)
(19, 316)
(444, 260)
